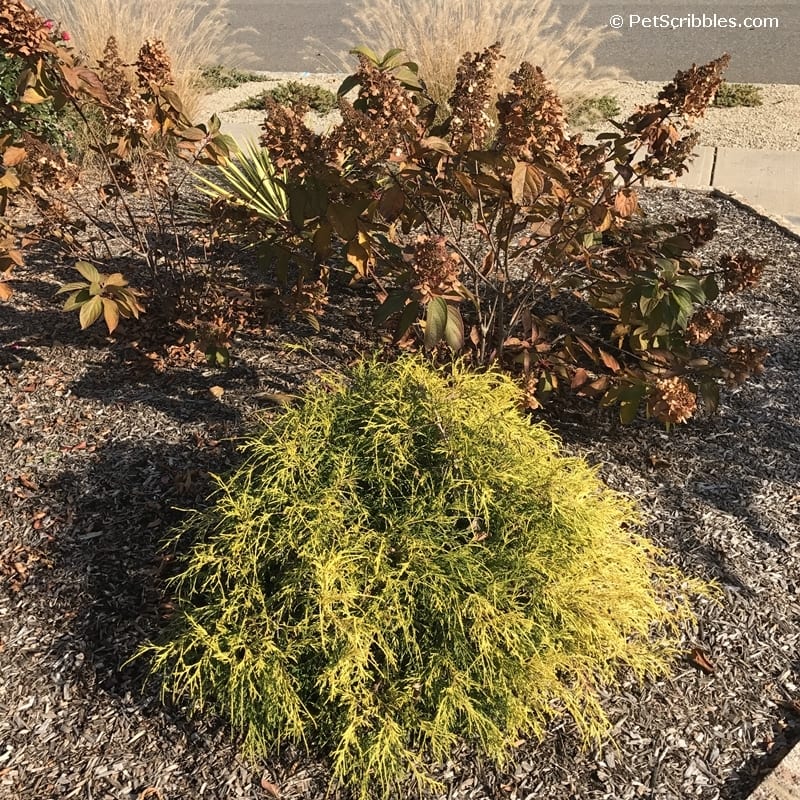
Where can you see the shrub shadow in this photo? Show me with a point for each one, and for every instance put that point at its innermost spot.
(118, 511)
(747, 440)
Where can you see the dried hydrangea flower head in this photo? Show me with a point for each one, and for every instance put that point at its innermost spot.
(292, 145)
(691, 91)
(472, 97)
(153, 65)
(672, 401)
(23, 31)
(126, 109)
(530, 116)
(742, 362)
(436, 270)
(707, 326)
(382, 97)
(741, 271)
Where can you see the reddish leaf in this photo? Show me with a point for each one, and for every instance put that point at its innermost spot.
(580, 377)
(270, 788)
(14, 156)
(610, 361)
(437, 144)
(526, 183)
(391, 203)
(625, 203)
(699, 659)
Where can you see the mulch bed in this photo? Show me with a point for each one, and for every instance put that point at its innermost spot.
(100, 446)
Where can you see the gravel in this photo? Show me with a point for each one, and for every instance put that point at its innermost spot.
(101, 441)
(774, 125)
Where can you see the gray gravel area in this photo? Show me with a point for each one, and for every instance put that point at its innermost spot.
(774, 125)
(100, 445)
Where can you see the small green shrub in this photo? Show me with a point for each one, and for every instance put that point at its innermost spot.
(404, 560)
(292, 93)
(737, 94)
(218, 76)
(592, 109)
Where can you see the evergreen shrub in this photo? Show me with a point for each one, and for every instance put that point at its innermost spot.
(403, 560)
(731, 95)
(290, 94)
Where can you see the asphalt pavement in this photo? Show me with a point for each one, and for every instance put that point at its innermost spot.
(653, 40)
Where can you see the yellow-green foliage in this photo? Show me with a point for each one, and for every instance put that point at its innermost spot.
(404, 560)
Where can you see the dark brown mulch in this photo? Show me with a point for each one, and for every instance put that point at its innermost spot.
(99, 449)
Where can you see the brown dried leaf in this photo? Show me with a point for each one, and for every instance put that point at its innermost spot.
(14, 156)
(626, 203)
(699, 659)
(610, 361)
(269, 787)
(580, 377)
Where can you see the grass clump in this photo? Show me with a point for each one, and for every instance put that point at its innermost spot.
(436, 33)
(195, 32)
(403, 561)
(730, 95)
(218, 76)
(591, 110)
(292, 93)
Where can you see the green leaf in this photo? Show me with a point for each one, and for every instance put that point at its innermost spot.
(76, 300)
(348, 84)
(389, 56)
(344, 221)
(435, 322)
(110, 314)
(407, 318)
(710, 288)
(407, 75)
(367, 52)
(88, 272)
(71, 287)
(393, 304)
(629, 401)
(693, 286)
(90, 312)
(683, 300)
(454, 329)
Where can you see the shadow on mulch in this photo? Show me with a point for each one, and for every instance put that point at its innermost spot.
(734, 487)
(44, 327)
(785, 736)
(119, 510)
